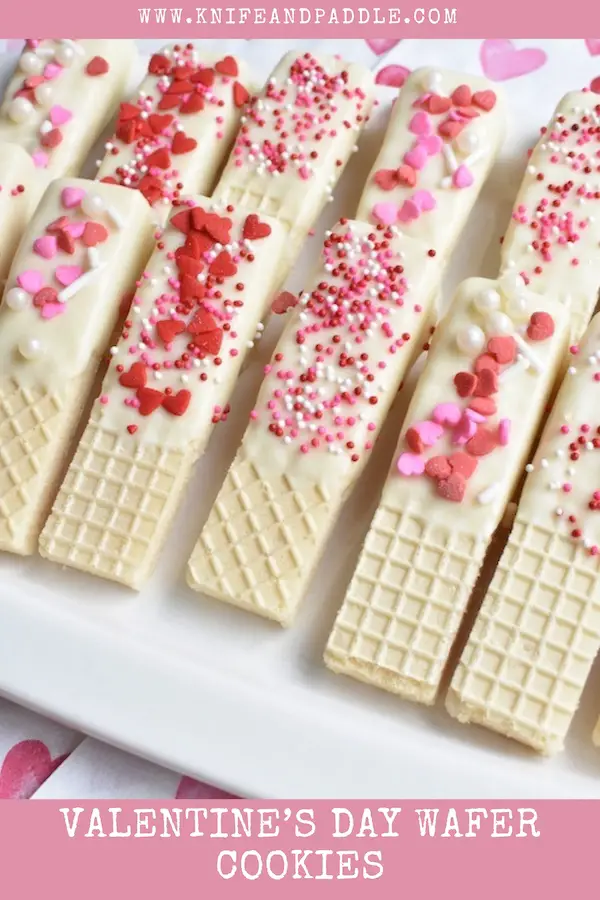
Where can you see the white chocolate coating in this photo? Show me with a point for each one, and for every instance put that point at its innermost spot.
(453, 168)
(20, 189)
(58, 120)
(207, 114)
(537, 633)
(145, 435)
(425, 547)
(554, 235)
(50, 350)
(292, 177)
(333, 376)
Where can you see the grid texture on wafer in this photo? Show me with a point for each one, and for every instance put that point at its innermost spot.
(404, 603)
(28, 415)
(257, 548)
(530, 652)
(111, 505)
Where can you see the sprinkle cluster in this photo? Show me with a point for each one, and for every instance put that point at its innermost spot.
(42, 62)
(559, 219)
(289, 126)
(190, 330)
(348, 328)
(153, 128)
(438, 127)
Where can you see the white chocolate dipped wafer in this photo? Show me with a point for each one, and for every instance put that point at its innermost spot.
(554, 235)
(20, 189)
(174, 134)
(444, 134)
(296, 137)
(465, 439)
(60, 97)
(82, 250)
(537, 633)
(331, 380)
(193, 318)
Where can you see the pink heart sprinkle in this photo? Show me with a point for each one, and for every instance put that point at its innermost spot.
(75, 229)
(410, 464)
(71, 197)
(408, 211)
(424, 200)
(464, 430)
(31, 281)
(386, 213)
(420, 123)
(381, 45)
(52, 70)
(416, 157)
(50, 310)
(66, 275)
(474, 416)
(462, 177)
(59, 115)
(304, 172)
(392, 76)
(447, 414)
(432, 144)
(45, 246)
(429, 432)
(40, 159)
(593, 46)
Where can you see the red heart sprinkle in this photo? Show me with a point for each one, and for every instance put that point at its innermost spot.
(487, 383)
(462, 96)
(183, 144)
(193, 104)
(132, 429)
(210, 341)
(190, 288)
(254, 229)
(386, 179)
(227, 66)
(541, 326)
(180, 87)
(452, 488)
(482, 443)
(503, 349)
(52, 138)
(94, 233)
(58, 225)
(485, 100)
(181, 73)
(203, 76)
(450, 129)
(437, 105)
(135, 378)
(45, 295)
(65, 242)
(160, 158)
(240, 94)
(438, 467)
(159, 123)
(97, 66)
(462, 463)
(485, 406)
(223, 266)
(149, 400)
(128, 111)
(284, 301)
(465, 383)
(176, 404)
(218, 227)
(414, 440)
(199, 244)
(202, 323)
(169, 101)
(181, 221)
(485, 361)
(159, 65)
(188, 265)
(168, 329)
(198, 217)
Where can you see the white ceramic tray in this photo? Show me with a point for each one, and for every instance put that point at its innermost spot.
(221, 695)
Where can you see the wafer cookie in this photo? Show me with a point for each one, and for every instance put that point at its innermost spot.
(537, 633)
(468, 429)
(296, 137)
(82, 250)
(193, 318)
(174, 133)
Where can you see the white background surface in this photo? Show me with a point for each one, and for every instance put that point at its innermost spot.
(216, 693)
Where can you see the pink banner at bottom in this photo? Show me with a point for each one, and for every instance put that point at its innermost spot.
(322, 849)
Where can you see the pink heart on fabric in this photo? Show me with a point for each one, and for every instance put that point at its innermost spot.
(500, 59)
(464, 430)
(45, 246)
(462, 177)
(381, 45)
(25, 768)
(420, 123)
(51, 309)
(410, 464)
(71, 197)
(392, 76)
(40, 159)
(386, 213)
(59, 115)
(432, 144)
(593, 45)
(30, 280)
(447, 414)
(52, 70)
(190, 789)
(595, 85)
(429, 432)
(66, 275)
(424, 200)
(417, 156)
